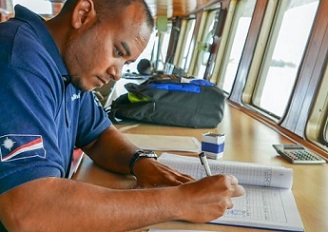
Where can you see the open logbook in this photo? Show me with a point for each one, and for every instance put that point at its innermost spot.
(268, 202)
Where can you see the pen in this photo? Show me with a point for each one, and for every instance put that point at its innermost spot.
(204, 162)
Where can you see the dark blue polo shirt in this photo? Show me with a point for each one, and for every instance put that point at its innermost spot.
(42, 119)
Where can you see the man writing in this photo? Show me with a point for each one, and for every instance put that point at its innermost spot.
(47, 70)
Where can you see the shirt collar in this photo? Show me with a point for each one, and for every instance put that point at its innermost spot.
(37, 23)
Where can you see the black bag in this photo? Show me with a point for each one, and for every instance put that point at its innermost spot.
(167, 101)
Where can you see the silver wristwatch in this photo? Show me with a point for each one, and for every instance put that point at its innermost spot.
(141, 154)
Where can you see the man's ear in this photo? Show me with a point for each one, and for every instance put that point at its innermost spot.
(83, 12)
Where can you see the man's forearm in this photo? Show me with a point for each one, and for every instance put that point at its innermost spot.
(111, 151)
(53, 204)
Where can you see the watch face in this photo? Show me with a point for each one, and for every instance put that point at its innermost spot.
(147, 154)
(147, 151)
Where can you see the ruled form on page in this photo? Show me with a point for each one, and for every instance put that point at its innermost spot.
(268, 201)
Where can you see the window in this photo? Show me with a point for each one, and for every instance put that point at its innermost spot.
(317, 126)
(160, 47)
(284, 54)
(38, 6)
(236, 41)
(203, 46)
(187, 45)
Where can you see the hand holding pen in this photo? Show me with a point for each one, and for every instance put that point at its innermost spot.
(239, 190)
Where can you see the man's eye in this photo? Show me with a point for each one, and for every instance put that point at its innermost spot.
(118, 52)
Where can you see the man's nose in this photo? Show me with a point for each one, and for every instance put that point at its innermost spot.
(115, 71)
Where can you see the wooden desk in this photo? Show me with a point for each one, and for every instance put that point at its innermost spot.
(247, 140)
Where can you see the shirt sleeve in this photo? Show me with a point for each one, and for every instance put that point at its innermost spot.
(28, 135)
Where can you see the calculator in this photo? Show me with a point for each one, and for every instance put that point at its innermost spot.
(297, 154)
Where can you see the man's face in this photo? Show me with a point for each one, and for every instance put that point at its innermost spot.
(96, 53)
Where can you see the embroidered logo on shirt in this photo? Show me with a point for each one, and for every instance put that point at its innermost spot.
(15, 147)
(76, 96)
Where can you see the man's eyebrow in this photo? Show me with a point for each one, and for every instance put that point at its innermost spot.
(126, 47)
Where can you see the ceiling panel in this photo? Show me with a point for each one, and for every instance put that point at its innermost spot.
(168, 8)
(172, 8)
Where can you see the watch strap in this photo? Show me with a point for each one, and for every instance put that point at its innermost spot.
(140, 154)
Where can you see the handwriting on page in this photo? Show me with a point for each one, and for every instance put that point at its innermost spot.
(259, 203)
(248, 174)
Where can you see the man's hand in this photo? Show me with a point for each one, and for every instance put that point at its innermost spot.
(150, 173)
(208, 198)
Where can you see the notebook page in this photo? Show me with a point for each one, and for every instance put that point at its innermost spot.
(247, 173)
(261, 206)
